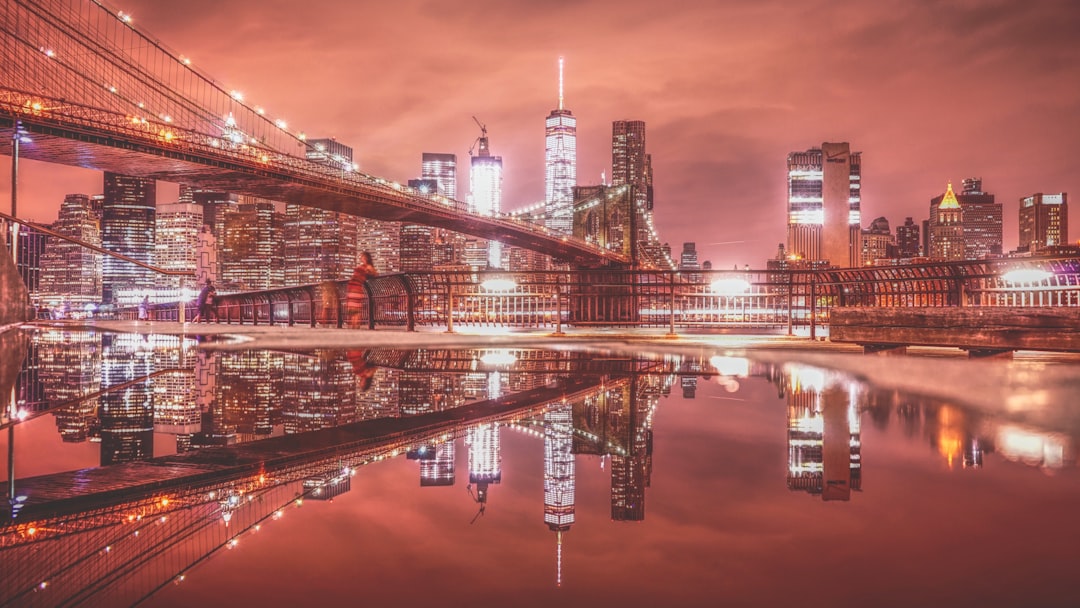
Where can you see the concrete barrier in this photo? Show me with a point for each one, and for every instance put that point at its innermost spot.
(979, 330)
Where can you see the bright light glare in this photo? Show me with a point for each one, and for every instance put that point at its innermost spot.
(499, 357)
(1026, 275)
(237, 95)
(730, 287)
(731, 366)
(498, 284)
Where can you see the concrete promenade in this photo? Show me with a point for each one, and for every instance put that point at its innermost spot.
(1037, 388)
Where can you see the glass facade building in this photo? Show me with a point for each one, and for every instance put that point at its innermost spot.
(128, 227)
(560, 165)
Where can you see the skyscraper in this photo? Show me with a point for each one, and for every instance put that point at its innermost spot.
(1044, 221)
(175, 243)
(631, 165)
(31, 246)
(320, 245)
(824, 199)
(128, 228)
(560, 165)
(71, 273)
(447, 246)
(877, 241)
(559, 475)
(251, 248)
(485, 181)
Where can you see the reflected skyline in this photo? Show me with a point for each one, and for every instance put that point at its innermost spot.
(242, 397)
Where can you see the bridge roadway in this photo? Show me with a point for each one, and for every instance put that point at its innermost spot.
(103, 145)
(284, 458)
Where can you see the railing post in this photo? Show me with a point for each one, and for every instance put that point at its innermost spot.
(181, 314)
(813, 306)
(558, 305)
(449, 305)
(790, 296)
(671, 307)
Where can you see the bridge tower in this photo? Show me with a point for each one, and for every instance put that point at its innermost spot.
(604, 216)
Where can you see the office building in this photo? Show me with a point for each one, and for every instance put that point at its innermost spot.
(877, 242)
(560, 165)
(31, 246)
(176, 246)
(980, 219)
(330, 152)
(319, 245)
(251, 247)
(908, 240)
(128, 227)
(1044, 221)
(630, 164)
(946, 227)
(824, 199)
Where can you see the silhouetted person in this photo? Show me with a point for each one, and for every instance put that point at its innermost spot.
(205, 306)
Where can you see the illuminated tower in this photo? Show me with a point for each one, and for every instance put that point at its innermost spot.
(69, 272)
(127, 228)
(485, 181)
(946, 227)
(824, 197)
(127, 415)
(559, 475)
(319, 245)
(560, 165)
(824, 434)
(251, 247)
(485, 458)
(1044, 221)
(443, 169)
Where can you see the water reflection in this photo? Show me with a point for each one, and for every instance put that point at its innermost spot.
(250, 435)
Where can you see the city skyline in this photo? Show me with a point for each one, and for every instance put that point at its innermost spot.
(725, 101)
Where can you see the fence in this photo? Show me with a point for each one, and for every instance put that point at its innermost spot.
(777, 299)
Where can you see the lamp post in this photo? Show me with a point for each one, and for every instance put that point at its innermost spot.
(15, 191)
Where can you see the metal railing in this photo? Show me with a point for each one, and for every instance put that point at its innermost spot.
(779, 300)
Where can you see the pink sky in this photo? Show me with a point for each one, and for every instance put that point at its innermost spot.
(929, 92)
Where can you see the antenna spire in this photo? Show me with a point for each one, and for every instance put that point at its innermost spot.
(560, 83)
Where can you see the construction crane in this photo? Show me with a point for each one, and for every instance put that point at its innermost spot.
(482, 140)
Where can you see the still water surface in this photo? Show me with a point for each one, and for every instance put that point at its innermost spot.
(516, 477)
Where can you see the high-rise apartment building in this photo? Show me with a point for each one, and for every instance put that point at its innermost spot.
(175, 246)
(127, 227)
(71, 273)
(824, 200)
(417, 252)
(560, 165)
(1044, 221)
(215, 205)
(946, 227)
(383, 240)
(981, 220)
(908, 240)
(485, 181)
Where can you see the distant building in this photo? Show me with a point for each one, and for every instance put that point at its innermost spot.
(946, 227)
(1044, 221)
(981, 220)
(128, 227)
(824, 199)
(560, 165)
(877, 241)
(447, 246)
(330, 152)
(417, 239)
(382, 239)
(688, 262)
(908, 241)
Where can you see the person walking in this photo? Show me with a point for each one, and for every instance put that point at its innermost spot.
(355, 294)
(144, 308)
